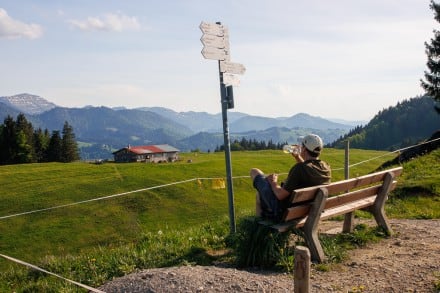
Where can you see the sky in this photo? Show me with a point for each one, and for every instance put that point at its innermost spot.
(333, 59)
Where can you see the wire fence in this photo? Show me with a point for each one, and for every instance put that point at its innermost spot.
(216, 183)
(197, 179)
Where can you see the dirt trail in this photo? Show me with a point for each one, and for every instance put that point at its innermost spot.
(409, 261)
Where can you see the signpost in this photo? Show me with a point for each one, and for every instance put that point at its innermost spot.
(215, 40)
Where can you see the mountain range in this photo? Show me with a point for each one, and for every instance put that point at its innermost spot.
(101, 130)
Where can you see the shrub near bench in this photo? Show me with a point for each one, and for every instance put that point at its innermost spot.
(312, 204)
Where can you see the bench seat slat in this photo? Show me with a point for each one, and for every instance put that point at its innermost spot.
(340, 210)
(347, 208)
(339, 200)
(329, 213)
(296, 212)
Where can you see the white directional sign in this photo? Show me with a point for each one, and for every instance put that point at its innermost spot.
(215, 41)
(230, 79)
(215, 53)
(230, 67)
(213, 29)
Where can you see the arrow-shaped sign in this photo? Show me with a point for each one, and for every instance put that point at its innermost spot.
(213, 29)
(214, 41)
(215, 53)
(230, 67)
(230, 79)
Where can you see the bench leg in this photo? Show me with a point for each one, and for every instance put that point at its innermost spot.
(378, 208)
(311, 226)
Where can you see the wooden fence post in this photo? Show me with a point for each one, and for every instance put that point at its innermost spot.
(348, 217)
(302, 270)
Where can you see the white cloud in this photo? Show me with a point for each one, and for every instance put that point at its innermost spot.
(283, 89)
(12, 29)
(109, 22)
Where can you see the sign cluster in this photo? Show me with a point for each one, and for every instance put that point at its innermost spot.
(215, 40)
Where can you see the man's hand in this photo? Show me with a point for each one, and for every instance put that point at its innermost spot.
(279, 192)
(298, 158)
(272, 178)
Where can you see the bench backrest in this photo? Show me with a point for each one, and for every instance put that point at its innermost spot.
(361, 189)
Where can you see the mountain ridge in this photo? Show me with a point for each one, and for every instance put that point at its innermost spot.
(102, 129)
(27, 103)
(409, 122)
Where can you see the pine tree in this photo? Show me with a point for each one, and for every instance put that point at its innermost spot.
(432, 83)
(69, 148)
(24, 149)
(54, 148)
(24, 140)
(41, 143)
(8, 141)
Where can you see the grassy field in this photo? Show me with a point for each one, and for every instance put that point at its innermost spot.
(146, 203)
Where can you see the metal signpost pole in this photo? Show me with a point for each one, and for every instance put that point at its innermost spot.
(215, 39)
(225, 97)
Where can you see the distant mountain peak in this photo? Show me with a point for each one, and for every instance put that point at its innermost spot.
(27, 103)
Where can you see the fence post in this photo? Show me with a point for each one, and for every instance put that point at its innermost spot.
(302, 270)
(349, 217)
(347, 160)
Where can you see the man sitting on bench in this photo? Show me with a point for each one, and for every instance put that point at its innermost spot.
(272, 198)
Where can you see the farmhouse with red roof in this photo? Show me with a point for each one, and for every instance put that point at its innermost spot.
(148, 153)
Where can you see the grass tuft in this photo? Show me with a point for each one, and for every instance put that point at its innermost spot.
(258, 245)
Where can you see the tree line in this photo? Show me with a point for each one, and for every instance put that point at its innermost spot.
(251, 145)
(20, 143)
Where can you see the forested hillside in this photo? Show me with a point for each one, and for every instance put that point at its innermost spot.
(408, 122)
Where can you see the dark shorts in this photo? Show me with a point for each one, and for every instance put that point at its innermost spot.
(269, 202)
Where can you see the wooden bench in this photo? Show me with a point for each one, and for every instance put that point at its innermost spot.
(312, 204)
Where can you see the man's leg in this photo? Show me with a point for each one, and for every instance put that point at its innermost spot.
(258, 210)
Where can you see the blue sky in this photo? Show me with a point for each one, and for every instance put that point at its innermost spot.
(334, 59)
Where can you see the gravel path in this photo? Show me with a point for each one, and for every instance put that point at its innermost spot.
(409, 261)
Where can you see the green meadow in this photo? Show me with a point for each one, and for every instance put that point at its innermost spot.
(57, 215)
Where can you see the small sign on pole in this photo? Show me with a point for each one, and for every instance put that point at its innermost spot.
(230, 79)
(212, 29)
(215, 41)
(215, 53)
(230, 67)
